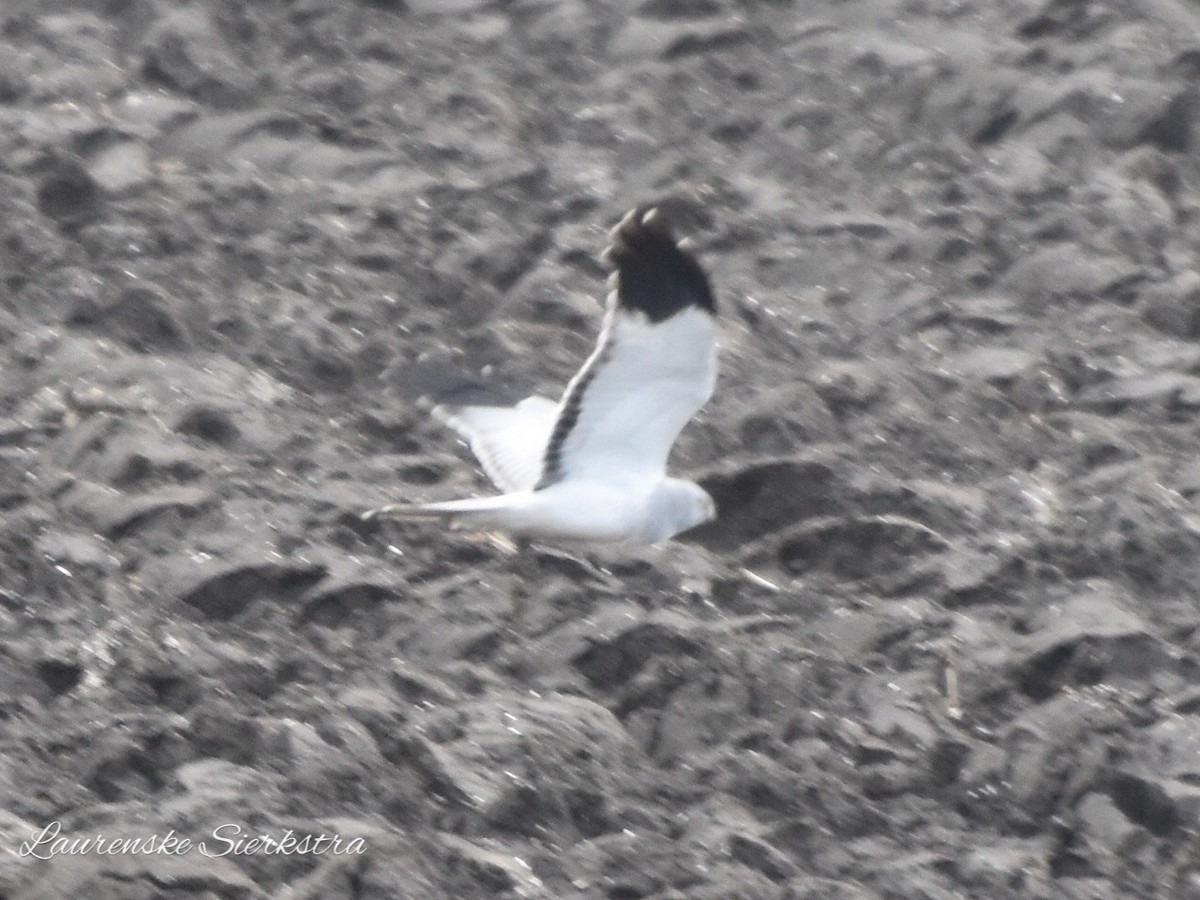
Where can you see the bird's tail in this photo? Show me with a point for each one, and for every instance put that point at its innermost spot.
(471, 512)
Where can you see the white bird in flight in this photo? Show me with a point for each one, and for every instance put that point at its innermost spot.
(592, 467)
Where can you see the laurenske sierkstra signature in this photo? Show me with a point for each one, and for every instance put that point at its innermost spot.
(225, 840)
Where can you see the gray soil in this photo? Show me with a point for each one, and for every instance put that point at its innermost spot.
(942, 642)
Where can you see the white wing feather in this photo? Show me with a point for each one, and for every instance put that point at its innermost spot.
(509, 441)
(642, 385)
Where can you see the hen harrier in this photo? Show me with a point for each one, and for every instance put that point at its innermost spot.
(592, 467)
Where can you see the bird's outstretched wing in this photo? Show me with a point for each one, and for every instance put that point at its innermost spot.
(653, 368)
(580, 469)
(508, 441)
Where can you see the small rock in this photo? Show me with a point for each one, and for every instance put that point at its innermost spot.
(143, 318)
(762, 496)
(1087, 638)
(1173, 747)
(862, 225)
(1069, 271)
(206, 140)
(1172, 390)
(76, 550)
(610, 663)
(1021, 170)
(335, 600)
(649, 39)
(120, 166)
(1157, 116)
(218, 778)
(894, 709)
(443, 7)
(1008, 864)
(849, 386)
(209, 423)
(116, 513)
(220, 731)
(1156, 803)
(494, 871)
(69, 194)
(60, 673)
(1054, 748)
(755, 853)
(185, 51)
(580, 749)
(322, 162)
(994, 364)
(1173, 307)
(788, 417)
(857, 546)
(418, 686)
(679, 9)
(1104, 828)
(220, 590)
(979, 574)
(15, 77)
(149, 113)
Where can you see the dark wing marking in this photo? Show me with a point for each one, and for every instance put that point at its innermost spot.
(652, 273)
(568, 414)
(655, 361)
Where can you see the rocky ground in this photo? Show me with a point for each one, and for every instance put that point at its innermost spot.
(944, 639)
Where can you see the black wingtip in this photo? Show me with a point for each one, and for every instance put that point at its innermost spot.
(653, 274)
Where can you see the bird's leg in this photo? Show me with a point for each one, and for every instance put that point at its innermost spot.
(523, 570)
(519, 550)
(602, 576)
